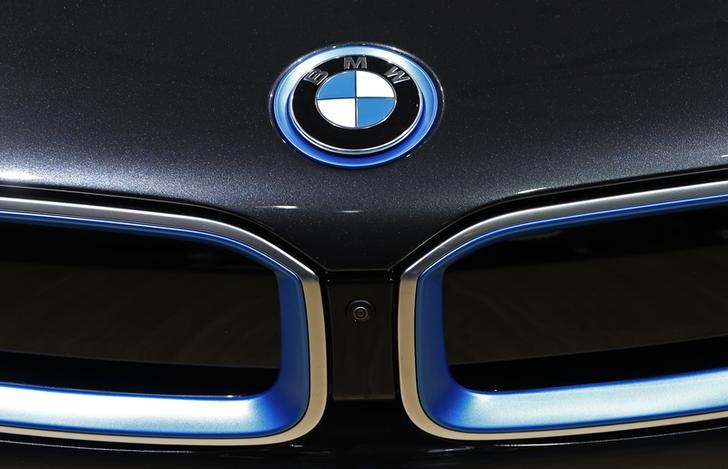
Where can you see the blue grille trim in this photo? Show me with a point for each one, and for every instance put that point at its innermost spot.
(271, 412)
(457, 408)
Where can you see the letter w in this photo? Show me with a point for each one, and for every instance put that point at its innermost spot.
(396, 75)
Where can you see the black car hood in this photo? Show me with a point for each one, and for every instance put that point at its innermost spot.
(102, 98)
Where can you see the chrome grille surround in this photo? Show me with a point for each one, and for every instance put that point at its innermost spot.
(442, 407)
(208, 420)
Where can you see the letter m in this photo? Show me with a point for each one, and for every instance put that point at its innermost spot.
(361, 62)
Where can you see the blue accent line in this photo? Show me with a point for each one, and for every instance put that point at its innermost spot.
(287, 84)
(267, 413)
(458, 408)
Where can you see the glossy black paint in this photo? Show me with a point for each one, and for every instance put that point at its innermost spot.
(364, 350)
(171, 101)
(602, 286)
(96, 294)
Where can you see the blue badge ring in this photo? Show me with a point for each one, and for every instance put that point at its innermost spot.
(286, 85)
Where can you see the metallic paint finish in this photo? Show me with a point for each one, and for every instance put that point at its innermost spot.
(428, 111)
(439, 405)
(288, 410)
(172, 103)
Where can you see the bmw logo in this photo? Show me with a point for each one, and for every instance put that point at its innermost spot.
(356, 106)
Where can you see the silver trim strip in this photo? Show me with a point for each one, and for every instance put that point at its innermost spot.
(312, 297)
(408, 287)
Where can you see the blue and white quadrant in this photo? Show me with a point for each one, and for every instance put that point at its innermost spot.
(355, 99)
